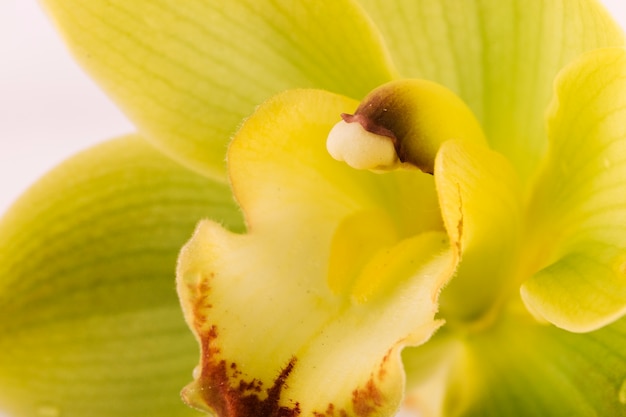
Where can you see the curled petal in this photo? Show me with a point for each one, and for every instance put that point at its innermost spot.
(578, 211)
(479, 194)
(271, 340)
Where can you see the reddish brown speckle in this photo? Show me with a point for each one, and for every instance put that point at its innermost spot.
(222, 385)
(231, 398)
(366, 400)
(330, 412)
(382, 370)
(200, 303)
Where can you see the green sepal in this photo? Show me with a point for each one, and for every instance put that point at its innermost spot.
(91, 324)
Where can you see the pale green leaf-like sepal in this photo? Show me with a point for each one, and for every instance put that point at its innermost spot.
(520, 368)
(91, 324)
(577, 217)
(187, 73)
(500, 57)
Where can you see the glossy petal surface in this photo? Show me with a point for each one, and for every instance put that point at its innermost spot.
(91, 325)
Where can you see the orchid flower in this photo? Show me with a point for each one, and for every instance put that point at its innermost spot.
(409, 202)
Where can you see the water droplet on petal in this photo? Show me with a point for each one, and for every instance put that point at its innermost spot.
(48, 410)
(196, 372)
(622, 393)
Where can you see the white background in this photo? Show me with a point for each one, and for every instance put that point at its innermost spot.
(48, 108)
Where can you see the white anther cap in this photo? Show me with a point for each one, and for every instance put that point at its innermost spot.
(351, 143)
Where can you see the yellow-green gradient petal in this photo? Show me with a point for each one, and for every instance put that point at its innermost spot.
(187, 73)
(279, 333)
(91, 324)
(500, 56)
(521, 368)
(480, 198)
(578, 211)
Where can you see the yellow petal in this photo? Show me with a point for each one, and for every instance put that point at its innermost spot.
(274, 336)
(480, 198)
